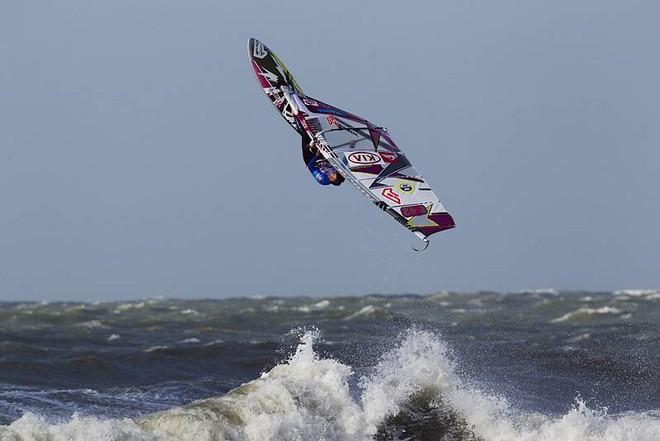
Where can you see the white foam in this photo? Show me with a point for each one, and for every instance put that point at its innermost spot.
(584, 424)
(364, 312)
(128, 306)
(35, 428)
(584, 312)
(305, 398)
(91, 324)
(189, 341)
(323, 304)
(579, 338)
(439, 295)
(418, 362)
(636, 292)
(155, 348)
(308, 398)
(214, 343)
(422, 361)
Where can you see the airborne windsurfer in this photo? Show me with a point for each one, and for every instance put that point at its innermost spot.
(318, 166)
(337, 144)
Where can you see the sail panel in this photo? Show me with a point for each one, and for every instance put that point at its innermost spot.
(366, 155)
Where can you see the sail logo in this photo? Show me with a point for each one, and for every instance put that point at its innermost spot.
(287, 113)
(413, 210)
(259, 50)
(390, 194)
(388, 157)
(270, 76)
(363, 158)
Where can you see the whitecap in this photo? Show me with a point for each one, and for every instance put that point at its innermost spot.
(579, 338)
(366, 311)
(322, 304)
(214, 343)
(155, 348)
(439, 295)
(122, 307)
(189, 341)
(91, 324)
(636, 292)
(584, 312)
(318, 306)
(308, 397)
(78, 428)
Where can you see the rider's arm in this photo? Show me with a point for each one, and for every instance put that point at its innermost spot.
(308, 149)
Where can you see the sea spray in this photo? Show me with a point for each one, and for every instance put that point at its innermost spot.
(309, 398)
(31, 427)
(407, 394)
(413, 392)
(303, 398)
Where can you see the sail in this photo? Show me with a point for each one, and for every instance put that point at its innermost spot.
(362, 152)
(271, 74)
(368, 157)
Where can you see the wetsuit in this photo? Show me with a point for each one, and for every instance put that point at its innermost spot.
(317, 165)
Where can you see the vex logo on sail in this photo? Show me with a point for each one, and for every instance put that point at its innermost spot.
(363, 158)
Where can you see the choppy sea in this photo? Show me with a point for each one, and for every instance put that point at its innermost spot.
(540, 365)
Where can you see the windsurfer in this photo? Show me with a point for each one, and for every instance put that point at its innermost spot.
(318, 166)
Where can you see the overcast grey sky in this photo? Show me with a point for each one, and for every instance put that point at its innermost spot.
(139, 157)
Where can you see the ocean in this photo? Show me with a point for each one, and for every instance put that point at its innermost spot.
(536, 365)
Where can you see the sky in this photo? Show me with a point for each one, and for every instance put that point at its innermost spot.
(139, 157)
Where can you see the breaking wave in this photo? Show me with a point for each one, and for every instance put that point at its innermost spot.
(582, 313)
(648, 294)
(414, 392)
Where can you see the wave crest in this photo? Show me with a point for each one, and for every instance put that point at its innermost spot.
(413, 392)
